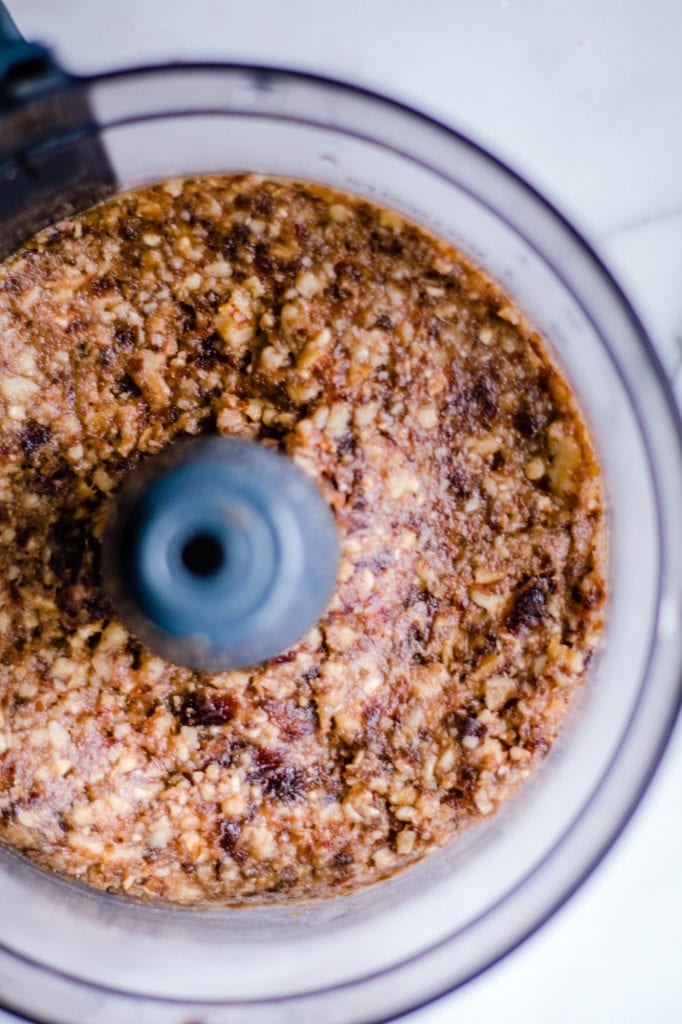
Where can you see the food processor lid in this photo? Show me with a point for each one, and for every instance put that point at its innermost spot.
(42, 104)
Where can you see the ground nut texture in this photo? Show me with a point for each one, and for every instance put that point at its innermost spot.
(470, 593)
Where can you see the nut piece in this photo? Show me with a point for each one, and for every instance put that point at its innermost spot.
(235, 320)
(307, 284)
(535, 469)
(566, 456)
(338, 420)
(490, 602)
(483, 802)
(18, 388)
(498, 690)
(273, 359)
(148, 374)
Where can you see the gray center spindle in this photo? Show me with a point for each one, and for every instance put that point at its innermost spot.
(219, 553)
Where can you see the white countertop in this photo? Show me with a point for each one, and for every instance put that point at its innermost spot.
(585, 99)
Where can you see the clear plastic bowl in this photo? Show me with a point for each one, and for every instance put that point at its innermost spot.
(71, 955)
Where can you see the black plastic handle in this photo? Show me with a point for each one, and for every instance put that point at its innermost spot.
(52, 161)
(25, 68)
(8, 29)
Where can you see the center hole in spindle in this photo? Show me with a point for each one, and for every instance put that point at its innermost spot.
(203, 554)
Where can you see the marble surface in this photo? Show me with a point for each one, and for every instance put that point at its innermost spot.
(585, 99)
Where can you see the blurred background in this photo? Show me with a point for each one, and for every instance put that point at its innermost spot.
(585, 100)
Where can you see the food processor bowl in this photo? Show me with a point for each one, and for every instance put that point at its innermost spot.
(72, 955)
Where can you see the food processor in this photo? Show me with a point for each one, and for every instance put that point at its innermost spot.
(71, 955)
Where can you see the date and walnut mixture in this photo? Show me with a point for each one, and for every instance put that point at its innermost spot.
(470, 593)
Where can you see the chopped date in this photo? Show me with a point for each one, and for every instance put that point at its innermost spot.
(461, 724)
(125, 385)
(279, 779)
(301, 232)
(417, 594)
(468, 777)
(262, 259)
(530, 420)
(188, 316)
(384, 241)
(286, 877)
(461, 483)
(93, 640)
(449, 280)
(209, 353)
(210, 300)
(69, 540)
(485, 645)
(45, 484)
(338, 293)
(293, 721)
(380, 561)
(347, 445)
(96, 608)
(13, 285)
(586, 599)
(76, 325)
(171, 415)
(472, 404)
(482, 397)
(135, 649)
(359, 504)
(130, 230)
(344, 268)
(126, 335)
(205, 707)
(238, 235)
(461, 793)
(274, 432)
(525, 422)
(34, 436)
(529, 606)
(79, 608)
(263, 204)
(228, 837)
(104, 284)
